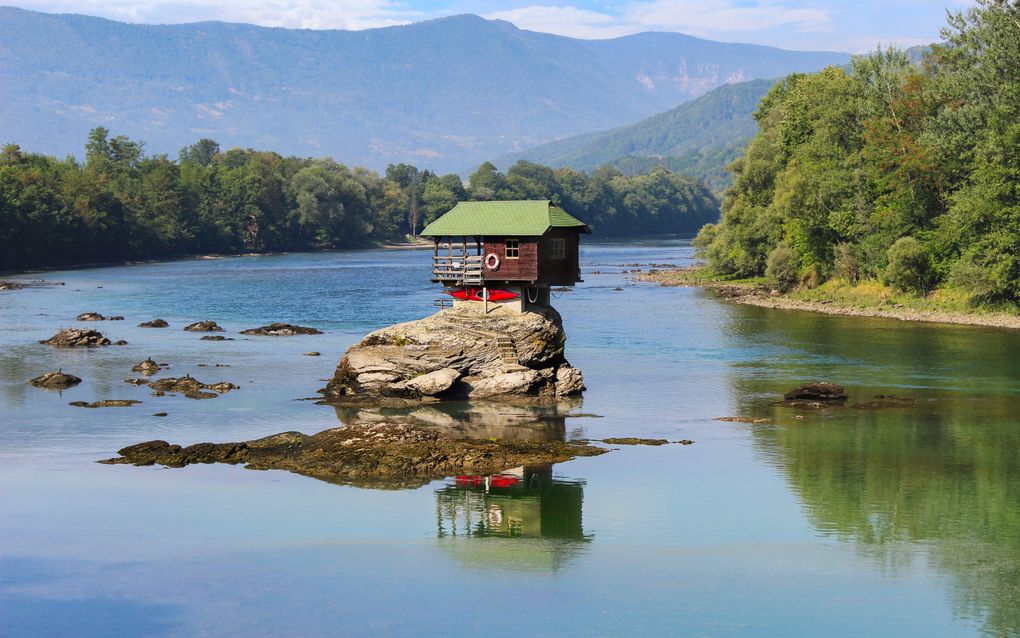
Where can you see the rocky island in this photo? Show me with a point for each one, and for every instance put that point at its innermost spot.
(459, 353)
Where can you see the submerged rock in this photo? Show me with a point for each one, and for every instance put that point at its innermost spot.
(495, 355)
(77, 337)
(382, 455)
(155, 323)
(281, 330)
(146, 367)
(58, 379)
(631, 440)
(106, 403)
(203, 326)
(215, 338)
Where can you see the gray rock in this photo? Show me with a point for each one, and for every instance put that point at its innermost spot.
(58, 379)
(433, 383)
(397, 361)
(569, 381)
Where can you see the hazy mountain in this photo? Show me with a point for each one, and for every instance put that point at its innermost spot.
(697, 138)
(445, 93)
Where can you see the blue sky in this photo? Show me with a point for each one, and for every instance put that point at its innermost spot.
(792, 24)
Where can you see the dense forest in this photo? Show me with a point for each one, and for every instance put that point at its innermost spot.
(891, 171)
(121, 204)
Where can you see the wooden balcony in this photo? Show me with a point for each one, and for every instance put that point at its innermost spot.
(457, 270)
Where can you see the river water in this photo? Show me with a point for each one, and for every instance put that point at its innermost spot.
(846, 522)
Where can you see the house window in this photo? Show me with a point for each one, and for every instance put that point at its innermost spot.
(557, 248)
(513, 249)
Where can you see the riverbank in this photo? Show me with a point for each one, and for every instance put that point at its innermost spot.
(868, 299)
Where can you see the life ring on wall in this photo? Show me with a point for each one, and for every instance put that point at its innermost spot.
(492, 261)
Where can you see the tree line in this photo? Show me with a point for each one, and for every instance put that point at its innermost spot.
(887, 170)
(122, 204)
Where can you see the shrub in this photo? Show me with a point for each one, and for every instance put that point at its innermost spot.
(909, 266)
(976, 280)
(844, 264)
(781, 270)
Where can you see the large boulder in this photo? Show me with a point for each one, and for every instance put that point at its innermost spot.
(494, 355)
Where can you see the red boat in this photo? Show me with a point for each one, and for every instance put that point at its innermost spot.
(480, 294)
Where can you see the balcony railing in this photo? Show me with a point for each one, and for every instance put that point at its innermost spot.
(457, 270)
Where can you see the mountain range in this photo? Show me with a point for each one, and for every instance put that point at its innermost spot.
(697, 138)
(443, 94)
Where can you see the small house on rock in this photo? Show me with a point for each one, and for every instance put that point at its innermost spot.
(505, 253)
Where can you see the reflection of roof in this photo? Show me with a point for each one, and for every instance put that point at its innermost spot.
(523, 218)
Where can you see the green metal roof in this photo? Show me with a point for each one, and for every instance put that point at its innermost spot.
(522, 218)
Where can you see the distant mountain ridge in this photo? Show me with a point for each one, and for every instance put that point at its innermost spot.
(696, 138)
(444, 94)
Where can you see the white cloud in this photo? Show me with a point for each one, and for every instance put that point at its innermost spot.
(301, 14)
(705, 18)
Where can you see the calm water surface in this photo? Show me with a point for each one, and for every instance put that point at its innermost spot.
(902, 521)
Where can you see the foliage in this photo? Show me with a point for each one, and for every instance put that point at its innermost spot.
(846, 164)
(122, 204)
(781, 270)
(909, 266)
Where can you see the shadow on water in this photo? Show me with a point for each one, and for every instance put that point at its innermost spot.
(939, 479)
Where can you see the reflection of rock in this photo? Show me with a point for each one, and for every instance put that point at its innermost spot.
(885, 401)
(155, 323)
(77, 337)
(384, 455)
(106, 403)
(58, 379)
(203, 326)
(814, 395)
(281, 330)
(474, 419)
(494, 355)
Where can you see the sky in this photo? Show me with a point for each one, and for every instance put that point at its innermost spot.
(833, 25)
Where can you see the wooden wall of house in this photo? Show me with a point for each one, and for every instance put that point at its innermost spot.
(559, 272)
(524, 268)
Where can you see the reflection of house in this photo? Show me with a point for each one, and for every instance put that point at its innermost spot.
(519, 248)
(531, 523)
(523, 502)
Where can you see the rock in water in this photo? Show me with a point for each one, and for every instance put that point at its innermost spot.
(90, 316)
(814, 395)
(281, 330)
(155, 323)
(382, 455)
(146, 367)
(77, 337)
(823, 391)
(190, 387)
(106, 403)
(495, 355)
(203, 326)
(58, 379)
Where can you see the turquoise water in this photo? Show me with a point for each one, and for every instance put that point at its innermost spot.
(902, 521)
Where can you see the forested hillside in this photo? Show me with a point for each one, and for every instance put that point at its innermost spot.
(888, 171)
(697, 138)
(449, 92)
(121, 204)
